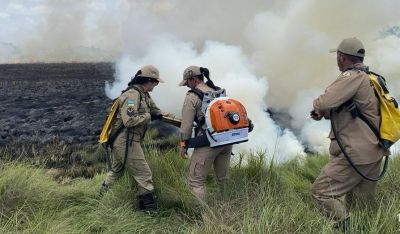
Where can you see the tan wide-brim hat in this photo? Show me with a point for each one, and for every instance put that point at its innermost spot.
(151, 72)
(351, 46)
(189, 72)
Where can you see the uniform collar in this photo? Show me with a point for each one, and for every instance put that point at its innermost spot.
(140, 88)
(201, 85)
(359, 66)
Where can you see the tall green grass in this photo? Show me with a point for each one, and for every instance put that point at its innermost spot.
(261, 197)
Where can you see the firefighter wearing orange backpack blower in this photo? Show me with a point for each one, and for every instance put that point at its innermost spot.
(365, 122)
(124, 131)
(220, 122)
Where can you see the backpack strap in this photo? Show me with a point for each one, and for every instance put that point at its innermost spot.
(351, 107)
(199, 122)
(198, 92)
(381, 80)
(370, 125)
(382, 83)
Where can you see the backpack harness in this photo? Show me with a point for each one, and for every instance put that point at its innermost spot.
(388, 105)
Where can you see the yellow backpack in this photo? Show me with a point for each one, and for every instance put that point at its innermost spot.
(107, 127)
(389, 130)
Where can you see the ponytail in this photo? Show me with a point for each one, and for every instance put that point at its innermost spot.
(206, 73)
(138, 80)
(135, 79)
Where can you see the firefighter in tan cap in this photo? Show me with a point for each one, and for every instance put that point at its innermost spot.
(136, 110)
(338, 183)
(203, 157)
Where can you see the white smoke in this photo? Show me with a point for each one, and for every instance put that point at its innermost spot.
(230, 69)
(280, 44)
(13, 54)
(313, 134)
(291, 49)
(395, 149)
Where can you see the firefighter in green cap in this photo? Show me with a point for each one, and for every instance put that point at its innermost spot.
(136, 110)
(338, 183)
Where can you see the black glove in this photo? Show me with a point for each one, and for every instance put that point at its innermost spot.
(313, 114)
(156, 116)
(251, 125)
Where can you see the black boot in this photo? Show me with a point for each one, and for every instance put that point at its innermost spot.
(343, 225)
(147, 201)
(103, 189)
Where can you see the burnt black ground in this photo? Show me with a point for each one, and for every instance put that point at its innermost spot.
(46, 102)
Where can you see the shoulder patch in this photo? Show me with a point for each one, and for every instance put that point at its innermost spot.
(130, 111)
(130, 102)
(347, 73)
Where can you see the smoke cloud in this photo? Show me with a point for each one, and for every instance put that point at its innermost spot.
(229, 68)
(265, 53)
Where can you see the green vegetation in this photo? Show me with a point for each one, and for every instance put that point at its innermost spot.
(260, 198)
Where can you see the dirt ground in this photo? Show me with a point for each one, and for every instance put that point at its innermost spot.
(46, 102)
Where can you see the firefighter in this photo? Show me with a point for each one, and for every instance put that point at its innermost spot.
(136, 110)
(203, 158)
(338, 181)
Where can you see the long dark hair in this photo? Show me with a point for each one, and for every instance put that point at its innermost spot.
(138, 79)
(206, 73)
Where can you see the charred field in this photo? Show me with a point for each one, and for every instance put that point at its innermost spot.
(55, 110)
(46, 102)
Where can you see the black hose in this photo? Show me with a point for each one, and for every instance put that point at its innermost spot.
(109, 160)
(348, 158)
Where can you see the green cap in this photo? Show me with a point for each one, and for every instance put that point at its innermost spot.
(351, 46)
(189, 72)
(151, 72)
